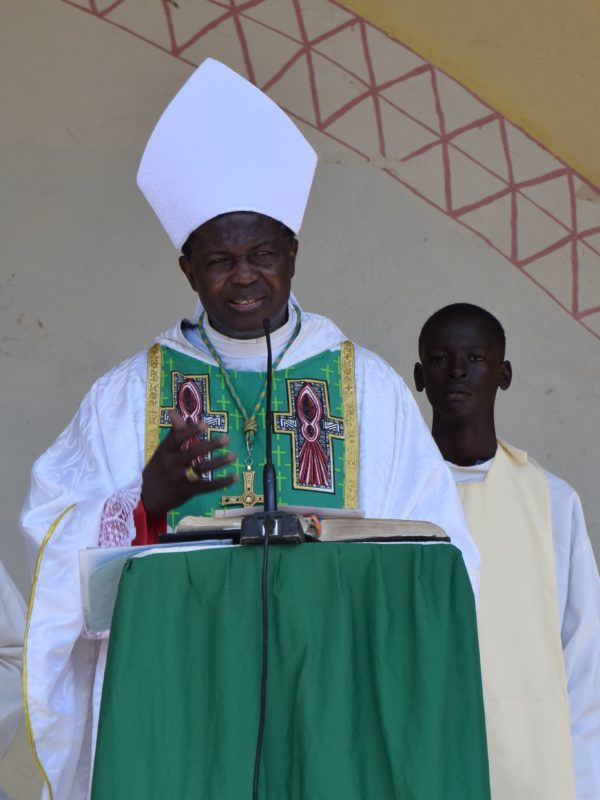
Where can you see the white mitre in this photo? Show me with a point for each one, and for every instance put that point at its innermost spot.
(222, 145)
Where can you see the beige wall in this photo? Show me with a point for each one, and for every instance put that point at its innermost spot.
(88, 276)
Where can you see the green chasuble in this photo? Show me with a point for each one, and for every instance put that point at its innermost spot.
(374, 687)
(315, 439)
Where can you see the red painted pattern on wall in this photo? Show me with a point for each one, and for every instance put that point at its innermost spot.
(380, 101)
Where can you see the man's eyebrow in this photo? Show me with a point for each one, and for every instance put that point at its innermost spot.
(215, 252)
(263, 242)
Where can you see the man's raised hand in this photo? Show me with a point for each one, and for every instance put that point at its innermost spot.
(174, 473)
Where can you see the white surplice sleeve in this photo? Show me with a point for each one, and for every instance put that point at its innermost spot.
(12, 626)
(401, 472)
(578, 594)
(99, 453)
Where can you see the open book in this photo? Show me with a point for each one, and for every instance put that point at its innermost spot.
(334, 529)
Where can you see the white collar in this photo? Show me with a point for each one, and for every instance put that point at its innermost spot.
(316, 335)
(471, 474)
(251, 348)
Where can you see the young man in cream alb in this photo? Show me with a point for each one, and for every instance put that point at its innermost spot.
(539, 605)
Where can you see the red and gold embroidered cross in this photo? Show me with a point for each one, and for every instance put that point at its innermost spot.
(312, 429)
(191, 394)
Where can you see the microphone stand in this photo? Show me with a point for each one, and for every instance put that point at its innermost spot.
(267, 526)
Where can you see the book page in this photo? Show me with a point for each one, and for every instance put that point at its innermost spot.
(100, 571)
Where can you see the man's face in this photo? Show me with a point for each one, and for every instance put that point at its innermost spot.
(241, 265)
(461, 368)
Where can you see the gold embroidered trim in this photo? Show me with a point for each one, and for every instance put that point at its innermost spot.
(38, 564)
(350, 426)
(152, 401)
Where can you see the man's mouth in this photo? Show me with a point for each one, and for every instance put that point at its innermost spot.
(457, 393)
(246, 303)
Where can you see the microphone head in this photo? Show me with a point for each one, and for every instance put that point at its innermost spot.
(267, 325)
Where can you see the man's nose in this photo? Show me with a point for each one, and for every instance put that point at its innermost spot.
(244, 271)
(457, 367)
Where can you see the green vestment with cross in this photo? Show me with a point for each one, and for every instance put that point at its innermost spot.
(315, 438)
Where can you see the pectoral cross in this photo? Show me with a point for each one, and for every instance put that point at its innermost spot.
(248, 498)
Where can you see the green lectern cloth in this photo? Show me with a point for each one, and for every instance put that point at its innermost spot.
(374, 686)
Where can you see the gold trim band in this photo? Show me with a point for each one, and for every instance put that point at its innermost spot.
(350, 426)
(152, 401)
(38, 564)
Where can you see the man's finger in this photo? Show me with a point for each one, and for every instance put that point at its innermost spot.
(176, 419)
(213, 464)
(203, 448)
(210, 465)
(182, 431)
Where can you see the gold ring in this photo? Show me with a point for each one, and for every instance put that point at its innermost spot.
(192, 475)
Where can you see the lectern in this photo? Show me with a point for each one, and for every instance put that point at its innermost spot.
(374, 685)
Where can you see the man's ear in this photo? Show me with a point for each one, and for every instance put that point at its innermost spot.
(505, 375)
(293, 254)
(418, 376)
(186, 268)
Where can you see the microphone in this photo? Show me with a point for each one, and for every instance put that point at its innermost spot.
(270, 523)
(269, 478)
